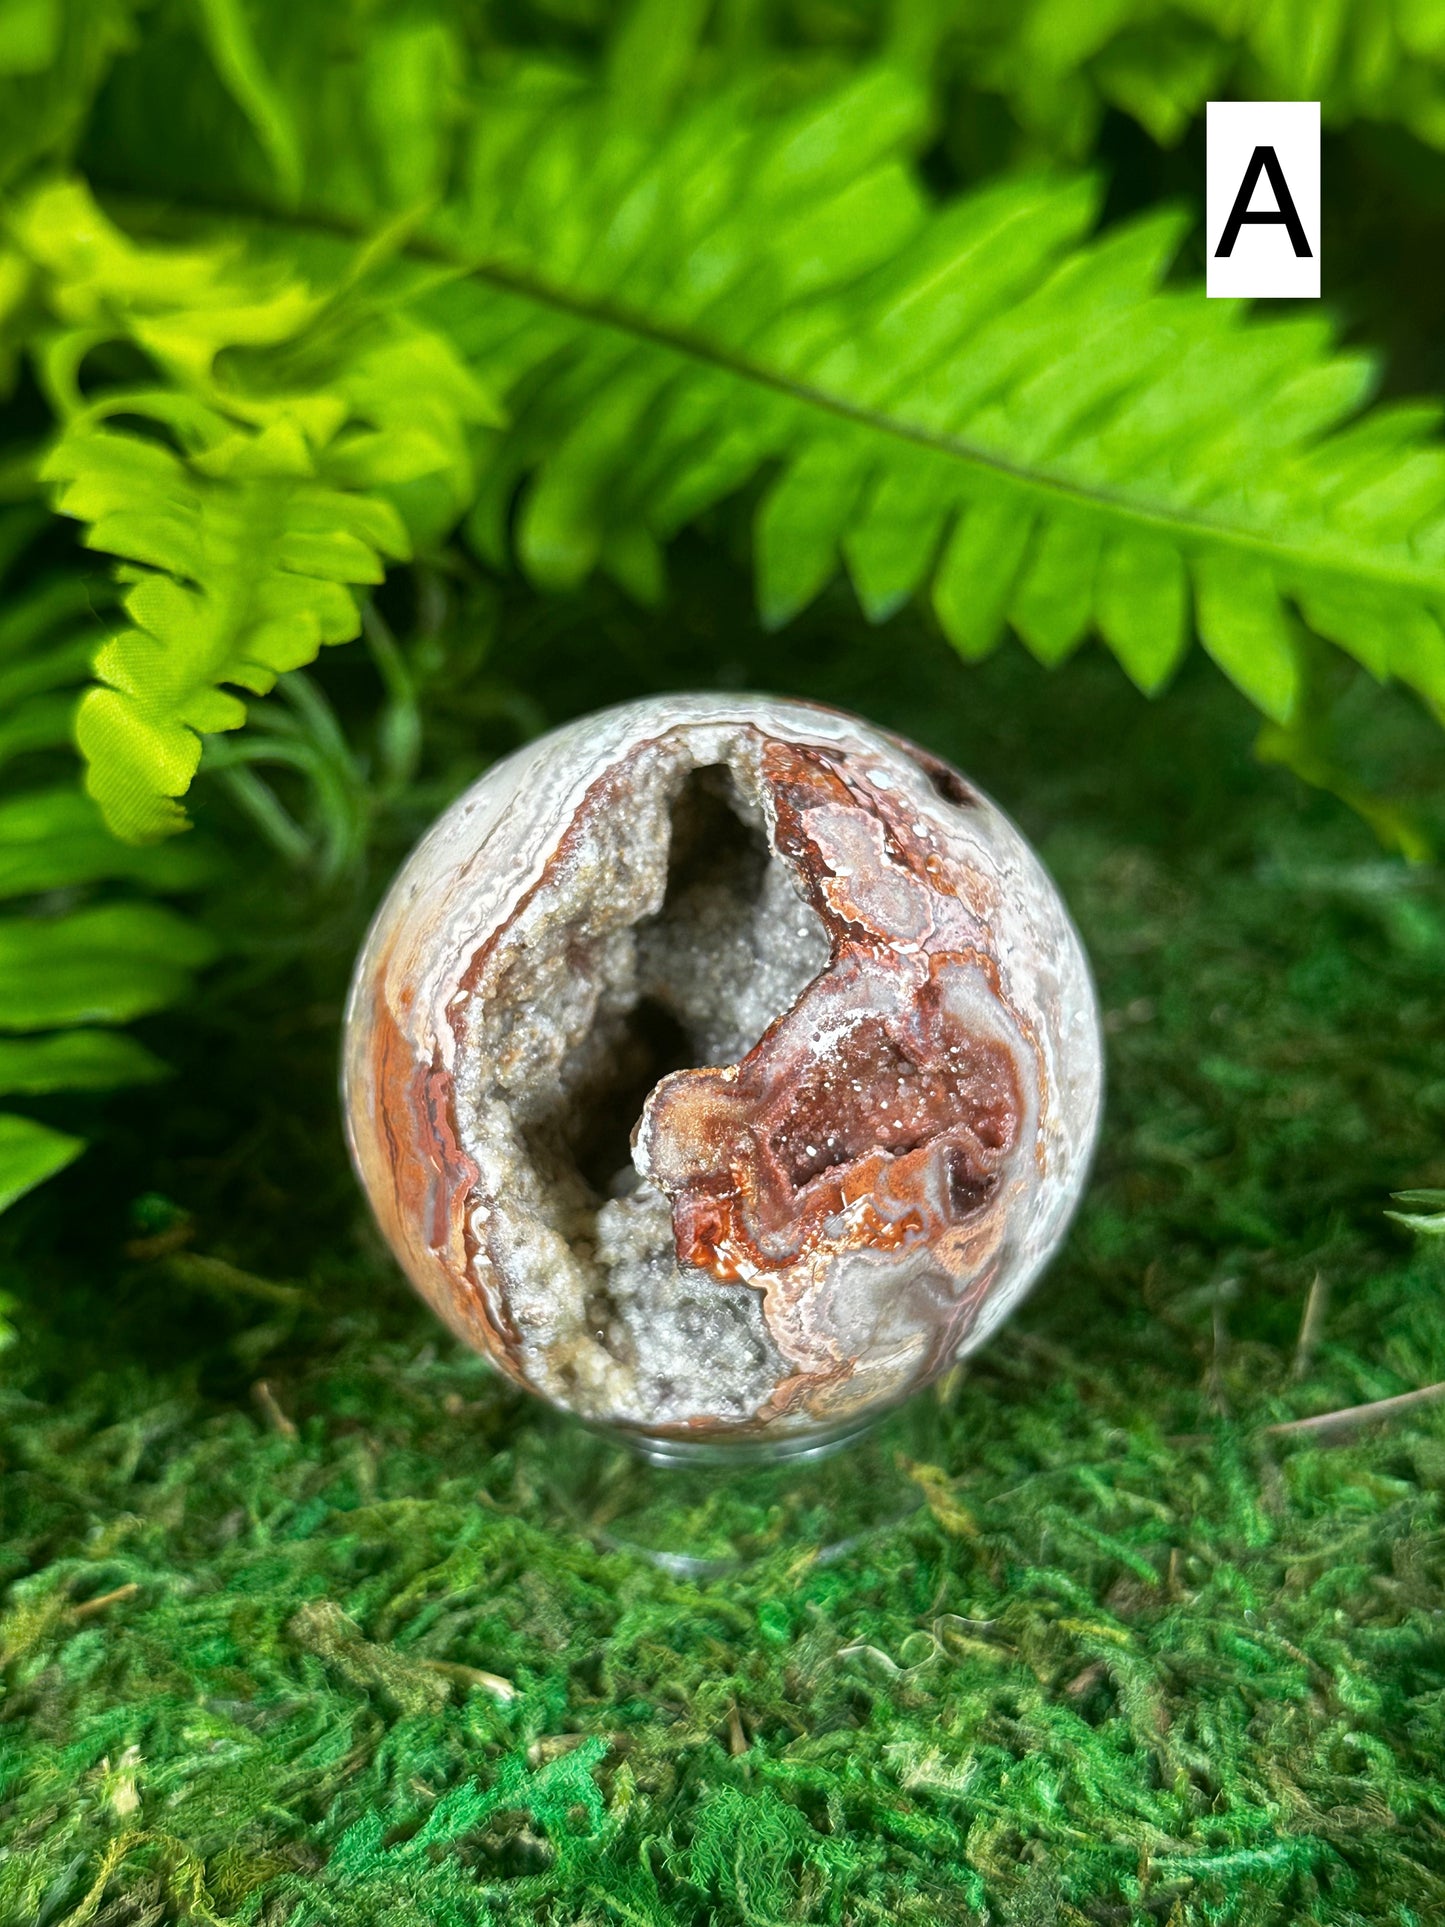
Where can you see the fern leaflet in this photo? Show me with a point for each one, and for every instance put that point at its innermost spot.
(290, 444)
(678, 294)
(1059, 64)
(79, 954)
(980, 401)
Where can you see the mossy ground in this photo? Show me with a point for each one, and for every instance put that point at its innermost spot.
(1130, 1659)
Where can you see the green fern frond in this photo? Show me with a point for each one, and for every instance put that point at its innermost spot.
(393, 74)
(30, 1152)
(981, 403)
(1425, 1214)
(290, 444)
(54, 55)
(81, 951)
(1060, 63)
(1161, 60)
(682, 293)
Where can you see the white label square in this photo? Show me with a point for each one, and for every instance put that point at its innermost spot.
(1262, 181)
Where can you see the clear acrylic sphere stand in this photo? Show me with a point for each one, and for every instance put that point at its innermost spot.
(704, 1509)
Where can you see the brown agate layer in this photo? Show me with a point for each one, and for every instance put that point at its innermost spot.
(729, 1067)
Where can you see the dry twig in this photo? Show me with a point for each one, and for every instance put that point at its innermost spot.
(102, 1600)
(1311, 1326)
(275, 1417)
(1351, 1415)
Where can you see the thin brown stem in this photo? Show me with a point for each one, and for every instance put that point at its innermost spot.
(279, 1421)
(1351, 1415)
(102, 1600)
(1311, 1326)
(1179, 523)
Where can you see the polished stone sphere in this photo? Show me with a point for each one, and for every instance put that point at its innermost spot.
(723, 1068)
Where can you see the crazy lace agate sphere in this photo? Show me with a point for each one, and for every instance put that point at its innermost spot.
(723, 1068)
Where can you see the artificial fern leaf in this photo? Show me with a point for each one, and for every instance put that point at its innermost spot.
(357, 99)
(1142, 606)
(1161, 61)
(74, 1060)
(238, 64)
(47, 639)
(680, 292)
(55, 839)
(105, 965)
(294, 443)
(29, 1154)
(983, 404)
(75, 953)
(1425, 1215)
(1059, 63)
(54, 54)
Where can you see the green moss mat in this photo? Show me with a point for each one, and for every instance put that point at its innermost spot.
(1130, 1658)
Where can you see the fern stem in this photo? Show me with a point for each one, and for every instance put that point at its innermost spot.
(260, 803)
(1196, 531)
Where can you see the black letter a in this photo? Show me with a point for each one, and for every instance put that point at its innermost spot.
(1263, 160)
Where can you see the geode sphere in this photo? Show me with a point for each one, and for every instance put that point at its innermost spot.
(723, 1068)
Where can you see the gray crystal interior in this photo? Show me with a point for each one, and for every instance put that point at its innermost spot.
(670, 935)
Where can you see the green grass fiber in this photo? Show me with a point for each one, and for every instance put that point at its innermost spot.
(1131, 1658)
